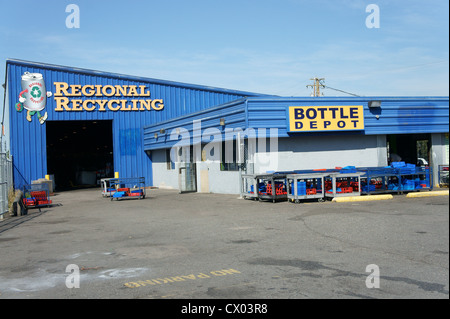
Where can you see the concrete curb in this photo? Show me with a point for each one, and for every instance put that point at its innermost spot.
(427, 194)
(362, 198)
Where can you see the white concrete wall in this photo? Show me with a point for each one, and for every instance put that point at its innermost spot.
(294, 153)
(222, 182)
(162, 177)
(317, 152)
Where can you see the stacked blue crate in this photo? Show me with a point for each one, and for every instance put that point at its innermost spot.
(301, 188)
(262, 188)
(408, 169)
(368, 188)
(348, 169)
(408, 185)
(393, 186)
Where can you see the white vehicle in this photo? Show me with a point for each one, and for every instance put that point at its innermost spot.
(422, 162)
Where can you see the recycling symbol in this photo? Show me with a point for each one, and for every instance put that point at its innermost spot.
(35, 92)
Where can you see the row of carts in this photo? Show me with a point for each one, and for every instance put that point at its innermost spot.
(123, 188)
(325, 184)
(38, 195)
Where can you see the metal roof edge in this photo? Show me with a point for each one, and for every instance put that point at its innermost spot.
(130, 77)
(344, 98)
(211, 109)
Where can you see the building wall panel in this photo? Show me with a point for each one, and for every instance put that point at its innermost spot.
(28, 139)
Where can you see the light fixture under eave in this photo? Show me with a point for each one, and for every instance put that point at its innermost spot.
(222, 122)
(156, 135)
(374, 104)
(162, 131)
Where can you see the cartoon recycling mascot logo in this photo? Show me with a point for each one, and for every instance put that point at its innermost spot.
(33, 96)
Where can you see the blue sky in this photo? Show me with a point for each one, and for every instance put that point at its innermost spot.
(264, 46)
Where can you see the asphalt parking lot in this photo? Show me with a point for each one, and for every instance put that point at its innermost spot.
(211, 246)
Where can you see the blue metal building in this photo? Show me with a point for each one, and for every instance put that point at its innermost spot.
(149, 117)
(28, 140)
(416, 127)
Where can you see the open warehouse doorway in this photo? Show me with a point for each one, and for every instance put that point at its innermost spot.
(79, 153)
(410, 148)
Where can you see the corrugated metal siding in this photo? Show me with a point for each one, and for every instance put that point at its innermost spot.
(28, 140)
(400, 115)
(234, 114)
(396, 116)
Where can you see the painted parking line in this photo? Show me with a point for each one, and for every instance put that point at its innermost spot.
(428, 194)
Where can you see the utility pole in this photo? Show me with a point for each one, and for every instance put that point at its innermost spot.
(316, 86)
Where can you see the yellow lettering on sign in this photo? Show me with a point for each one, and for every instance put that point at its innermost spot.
(64, 90)
(98, 90)
(135, 107)
(105, 89)
(61, 104)
(76, 90)
(121, 90)
(110, 102)
(101, 104)
(76, 105)
(84, 91)
(146, 104)
(89, 109)
(142, 89)
(133, 91)
(158, 107)
(125, 106)
(61, 88)
(326, 118)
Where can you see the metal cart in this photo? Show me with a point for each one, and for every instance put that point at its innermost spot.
(379, 180)
(126, 188)
(106, 187)
(305, 186)
(249, 187)
(271, 187)
(395, 179)
(342, 184)
(36, 195)
(443, 175)
(416, 179)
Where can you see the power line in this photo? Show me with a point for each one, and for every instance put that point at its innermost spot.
(328, 87)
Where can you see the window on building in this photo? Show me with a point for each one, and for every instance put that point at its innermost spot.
(169, 162)
(230, 158)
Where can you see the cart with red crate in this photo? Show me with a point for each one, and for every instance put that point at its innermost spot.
(36, 195)
(127, 188)
(271, 187)
(339, 184)
(305, 186)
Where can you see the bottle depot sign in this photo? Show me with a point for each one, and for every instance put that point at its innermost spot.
(88, 98)
(325, 118)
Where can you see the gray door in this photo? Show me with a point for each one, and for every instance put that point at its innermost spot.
(187, 174)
